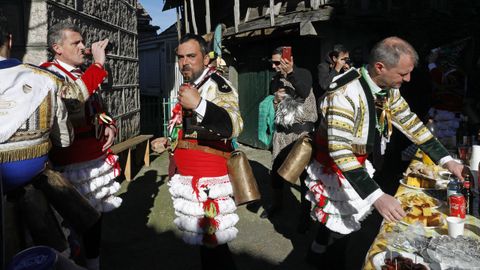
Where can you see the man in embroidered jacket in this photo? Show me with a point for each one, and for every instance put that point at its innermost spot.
(87, 163)
(351, 128)
(201, 188)
(32, 116)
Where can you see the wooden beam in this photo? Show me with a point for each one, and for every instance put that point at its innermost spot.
(272, 13)
(179, 27)
(236, 14)
(307, 29)
(207, 16)
(185, 16)
(194, 22)
(287, 19)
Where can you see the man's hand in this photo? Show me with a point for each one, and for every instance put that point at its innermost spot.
(455, 168)
(390, 208)
(109, 136)
(159, 145)
(286, 66)
(98, 51)
(188, 97)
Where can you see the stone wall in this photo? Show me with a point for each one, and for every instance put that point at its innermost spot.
(97, 19)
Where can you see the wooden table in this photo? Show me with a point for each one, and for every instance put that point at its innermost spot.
(472, 228)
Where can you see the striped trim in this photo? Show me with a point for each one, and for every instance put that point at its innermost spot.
(26, 153)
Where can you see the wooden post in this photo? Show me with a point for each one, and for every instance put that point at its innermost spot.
(179, 27)
(207, 16)
(272, 13)
(194, 22)
(236, 14)
(128, 166)
(185, 16)
(146, 157)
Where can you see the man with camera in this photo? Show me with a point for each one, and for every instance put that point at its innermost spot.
(336, 62)
(88, 163)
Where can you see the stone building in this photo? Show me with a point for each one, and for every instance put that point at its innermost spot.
(113, 19)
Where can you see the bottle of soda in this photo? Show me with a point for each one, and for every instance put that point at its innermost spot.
(453, 187)
(467, 193)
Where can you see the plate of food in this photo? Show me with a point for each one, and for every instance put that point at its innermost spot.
(429, 218)
(410, 199)
(419, 182)
(392, 260)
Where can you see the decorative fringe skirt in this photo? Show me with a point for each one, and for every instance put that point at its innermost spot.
(95, 179)
(335, 202)
(206, 213)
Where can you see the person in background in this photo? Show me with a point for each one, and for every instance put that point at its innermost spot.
(87, 163)
(336, 62)
(204, 122)
(357, 115)
(295, 117)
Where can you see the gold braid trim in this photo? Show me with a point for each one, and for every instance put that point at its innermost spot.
(28, 152)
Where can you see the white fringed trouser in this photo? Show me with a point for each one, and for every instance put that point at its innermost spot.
(209, 218)
(336, 205)
(95, 179)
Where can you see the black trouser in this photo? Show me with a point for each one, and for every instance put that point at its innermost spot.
(217, 258)
(277, 181)
(91, 240)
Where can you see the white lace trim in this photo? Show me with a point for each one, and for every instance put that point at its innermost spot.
(190, 224)
(226, 205)
(189, 208)
(95, 180)
(223, 237)
(217, 187)
(345, 208)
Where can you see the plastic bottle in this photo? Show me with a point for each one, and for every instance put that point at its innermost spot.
(453, 187)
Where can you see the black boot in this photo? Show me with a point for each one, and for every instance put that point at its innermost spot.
(217, 258)
(276, 206)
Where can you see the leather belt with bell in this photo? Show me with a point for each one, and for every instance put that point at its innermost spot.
(194, 146)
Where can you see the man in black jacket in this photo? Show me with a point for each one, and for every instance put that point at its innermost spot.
(335, 63)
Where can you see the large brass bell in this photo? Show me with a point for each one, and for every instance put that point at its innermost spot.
(244, 184)
(297, 159)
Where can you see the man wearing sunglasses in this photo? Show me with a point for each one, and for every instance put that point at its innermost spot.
(336, 62)
(295, 115)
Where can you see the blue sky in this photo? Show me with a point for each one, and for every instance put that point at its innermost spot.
(159, 18)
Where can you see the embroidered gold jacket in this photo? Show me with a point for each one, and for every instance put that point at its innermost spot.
(32, 113)
(222, 119)
(348, 121)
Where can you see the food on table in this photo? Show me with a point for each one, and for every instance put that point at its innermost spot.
(425, 216)
(422, 172)
(419, 181)
(420, 199)
(401, 263)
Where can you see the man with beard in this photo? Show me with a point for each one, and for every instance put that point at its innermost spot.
(204, 121)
